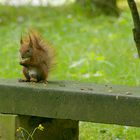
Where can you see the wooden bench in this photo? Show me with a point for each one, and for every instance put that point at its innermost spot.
(59, 106)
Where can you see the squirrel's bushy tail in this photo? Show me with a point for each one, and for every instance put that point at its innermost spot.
(49, 53)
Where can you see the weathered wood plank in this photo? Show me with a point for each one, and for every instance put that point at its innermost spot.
(8, 127)
(72, 100)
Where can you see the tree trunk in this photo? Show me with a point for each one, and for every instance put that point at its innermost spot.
(136, 20)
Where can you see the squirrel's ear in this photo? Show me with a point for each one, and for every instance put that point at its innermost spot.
(21, 40)
(30, 41)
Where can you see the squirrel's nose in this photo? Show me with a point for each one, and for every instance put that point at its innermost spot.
(22, 56)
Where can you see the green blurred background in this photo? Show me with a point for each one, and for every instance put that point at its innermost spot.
(93, 40)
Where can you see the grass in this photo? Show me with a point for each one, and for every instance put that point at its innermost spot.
(98, 49)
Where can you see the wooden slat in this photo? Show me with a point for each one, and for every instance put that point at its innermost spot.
(72, 100)
(8, 127)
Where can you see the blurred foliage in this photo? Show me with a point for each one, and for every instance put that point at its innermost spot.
(107, 7)
(98, 49)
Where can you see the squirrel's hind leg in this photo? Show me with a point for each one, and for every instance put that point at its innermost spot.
(43, 81)
(26, 74)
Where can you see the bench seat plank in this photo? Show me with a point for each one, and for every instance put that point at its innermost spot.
(72, 100)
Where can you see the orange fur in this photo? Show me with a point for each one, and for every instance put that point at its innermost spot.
(37, 57)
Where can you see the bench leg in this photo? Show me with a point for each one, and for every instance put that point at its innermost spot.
(7, 126)
(54, 129)
(57, 129)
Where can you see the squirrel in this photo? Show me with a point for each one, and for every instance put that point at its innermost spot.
(37, 57)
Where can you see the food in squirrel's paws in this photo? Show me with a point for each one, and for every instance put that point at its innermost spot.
(25, 59)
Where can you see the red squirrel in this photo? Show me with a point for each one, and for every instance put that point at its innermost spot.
(37, 58)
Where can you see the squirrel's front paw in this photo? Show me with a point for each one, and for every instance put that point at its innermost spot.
(24, 62)
(21, 63)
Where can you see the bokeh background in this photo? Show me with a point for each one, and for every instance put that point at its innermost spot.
(93, 40)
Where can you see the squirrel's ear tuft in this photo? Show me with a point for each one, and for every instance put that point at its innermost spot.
(21, 40)
(30, 41)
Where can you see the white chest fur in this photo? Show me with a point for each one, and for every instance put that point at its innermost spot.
(33, 72)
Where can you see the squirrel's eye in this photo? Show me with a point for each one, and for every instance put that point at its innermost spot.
(28, 50)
